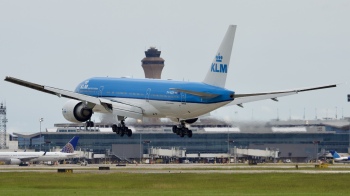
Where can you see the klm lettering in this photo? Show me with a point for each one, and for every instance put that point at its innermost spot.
(221, 68)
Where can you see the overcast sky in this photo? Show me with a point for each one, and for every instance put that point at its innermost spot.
(278, 45)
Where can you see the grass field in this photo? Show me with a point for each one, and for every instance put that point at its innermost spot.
(32, 183)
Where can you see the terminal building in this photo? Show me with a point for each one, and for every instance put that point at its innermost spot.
(299, 141)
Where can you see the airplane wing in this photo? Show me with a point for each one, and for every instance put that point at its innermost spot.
(119, 108)
(239, 99)
(27, 159)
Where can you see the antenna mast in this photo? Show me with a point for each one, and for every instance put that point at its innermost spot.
(3, 121)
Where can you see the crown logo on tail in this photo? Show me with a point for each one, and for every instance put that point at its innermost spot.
(218, 58)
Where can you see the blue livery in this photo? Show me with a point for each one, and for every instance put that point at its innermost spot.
(71, 145)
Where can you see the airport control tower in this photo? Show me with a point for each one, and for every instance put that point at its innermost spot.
(152, 64)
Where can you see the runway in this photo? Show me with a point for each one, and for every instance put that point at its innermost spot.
(181, 168)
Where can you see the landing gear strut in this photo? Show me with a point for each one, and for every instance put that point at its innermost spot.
(121, 129)
(182, 130)
(89, 123)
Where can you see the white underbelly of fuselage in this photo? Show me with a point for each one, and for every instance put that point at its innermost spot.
(167, 109)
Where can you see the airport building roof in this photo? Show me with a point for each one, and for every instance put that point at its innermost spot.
(217, 126)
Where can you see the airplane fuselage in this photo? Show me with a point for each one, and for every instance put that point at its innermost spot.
(35, 156)
(156, 96)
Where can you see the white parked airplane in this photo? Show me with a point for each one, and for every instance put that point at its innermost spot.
(339, 158)
(16, 158)
(179, 101)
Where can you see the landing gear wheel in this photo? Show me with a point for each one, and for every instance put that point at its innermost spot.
(114, 128)
(189, 134)
(129, 133)
(182, 132)
(89, 124)
(174, 129)
(178, 131)
(121, 129)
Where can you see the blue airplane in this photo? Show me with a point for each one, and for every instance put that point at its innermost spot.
(180, 101)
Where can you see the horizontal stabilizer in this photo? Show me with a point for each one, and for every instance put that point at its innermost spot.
(239, 99)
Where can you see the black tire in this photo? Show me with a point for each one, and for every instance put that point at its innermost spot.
(114, 128)
(189, 134)
(178, 131)
(129, 133)
(174, 129)
(122, 131)
(118, 130)
(182, 133)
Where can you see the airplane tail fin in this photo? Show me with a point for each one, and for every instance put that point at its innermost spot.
(334, 154)
(70, 146)
(217, 72)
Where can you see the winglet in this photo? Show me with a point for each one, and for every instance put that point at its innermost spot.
(71, 145)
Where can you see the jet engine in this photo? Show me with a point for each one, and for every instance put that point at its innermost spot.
(14, 162)
(76, 111)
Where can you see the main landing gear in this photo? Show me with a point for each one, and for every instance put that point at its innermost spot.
(121, 129)
(182, 130)
(89, 123)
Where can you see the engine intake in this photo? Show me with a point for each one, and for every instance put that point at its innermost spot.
(76, 111)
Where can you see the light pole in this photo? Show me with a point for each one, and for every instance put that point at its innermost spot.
(40, 120)
(148, 151)
(228, 149)
(336, 113)
(316, 143)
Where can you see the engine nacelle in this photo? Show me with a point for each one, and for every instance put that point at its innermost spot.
(190, 121)
(14, 162)
(75, 111)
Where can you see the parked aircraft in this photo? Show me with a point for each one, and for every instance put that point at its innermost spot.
(337, 157)
(16, 158)
(179, 101)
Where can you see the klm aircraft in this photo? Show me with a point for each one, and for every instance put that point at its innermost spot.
(180, 101)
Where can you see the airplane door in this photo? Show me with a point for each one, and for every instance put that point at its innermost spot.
(183, 98)
(148, 92)
(100, 91)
